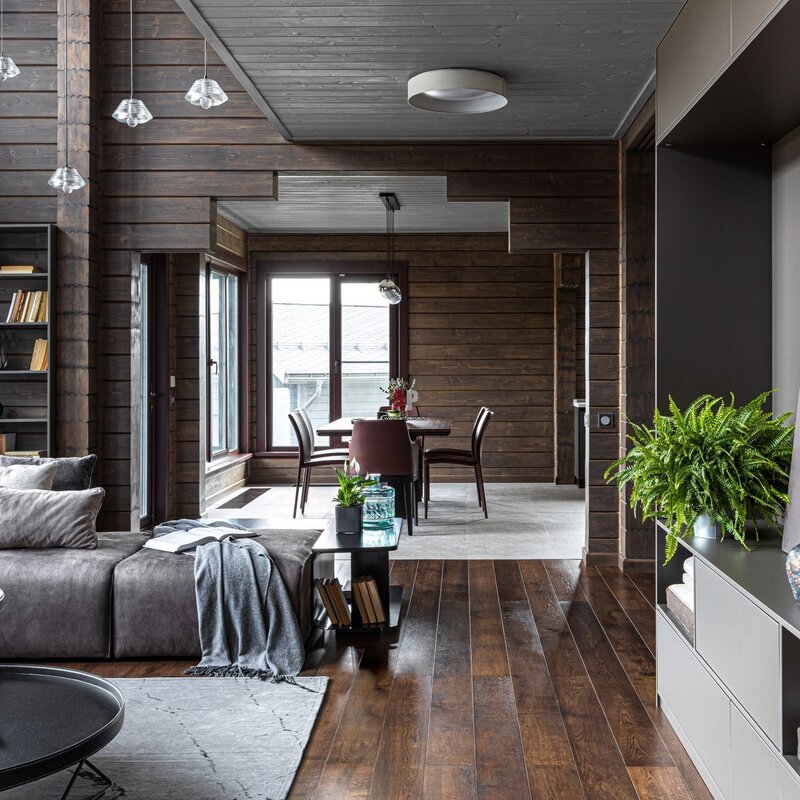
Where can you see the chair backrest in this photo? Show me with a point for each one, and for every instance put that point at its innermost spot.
(309, 427)
(479, 432)
(301, 433)
(382, 446)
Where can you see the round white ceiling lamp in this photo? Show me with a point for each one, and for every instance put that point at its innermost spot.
(457, 91)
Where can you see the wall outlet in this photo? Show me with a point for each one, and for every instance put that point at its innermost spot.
(606, 421)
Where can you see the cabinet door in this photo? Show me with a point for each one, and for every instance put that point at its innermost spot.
(747, 16)
(741, 644)
(756, 770)
(695, 701)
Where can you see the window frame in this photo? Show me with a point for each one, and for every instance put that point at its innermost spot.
(338, 271)
(214, 265)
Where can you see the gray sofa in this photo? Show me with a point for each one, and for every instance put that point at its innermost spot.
(120, 600)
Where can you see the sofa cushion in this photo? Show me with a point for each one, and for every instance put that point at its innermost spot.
(72, 474)
(57, 602)
(35, 518)
(28, 476)
(155, 609)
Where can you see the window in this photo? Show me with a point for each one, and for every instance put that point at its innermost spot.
(330, 343)
(223, 362)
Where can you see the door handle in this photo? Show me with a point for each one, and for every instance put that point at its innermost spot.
(212, 363)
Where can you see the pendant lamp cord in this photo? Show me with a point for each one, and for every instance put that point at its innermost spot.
(131, 15)
(1, 27)
(205, 57)
(66, 85)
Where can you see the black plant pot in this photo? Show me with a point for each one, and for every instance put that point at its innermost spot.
(348, 520)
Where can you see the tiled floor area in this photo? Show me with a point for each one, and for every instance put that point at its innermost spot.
(526, 520)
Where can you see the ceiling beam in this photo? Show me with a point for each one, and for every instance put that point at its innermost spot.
(197, 19)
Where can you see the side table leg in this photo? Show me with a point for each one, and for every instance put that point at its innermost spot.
(107, 782)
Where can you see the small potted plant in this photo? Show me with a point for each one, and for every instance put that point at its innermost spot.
(397, 395)
(350, 498)
(709, 469)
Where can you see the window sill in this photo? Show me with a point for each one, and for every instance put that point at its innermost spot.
(226, 462)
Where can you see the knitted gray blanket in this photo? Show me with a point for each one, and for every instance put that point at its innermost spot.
(247, 623)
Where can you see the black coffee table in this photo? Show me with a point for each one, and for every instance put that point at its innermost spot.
(51, 719)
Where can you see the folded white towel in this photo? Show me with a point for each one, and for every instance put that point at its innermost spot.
(685, 592)
(688, 570)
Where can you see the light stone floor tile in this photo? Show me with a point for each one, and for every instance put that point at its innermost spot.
(526, 521)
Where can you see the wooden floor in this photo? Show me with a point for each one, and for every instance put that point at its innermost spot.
(508, 680)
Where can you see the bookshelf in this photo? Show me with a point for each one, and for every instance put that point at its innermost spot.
(27, 395)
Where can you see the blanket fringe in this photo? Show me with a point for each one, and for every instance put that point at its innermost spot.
(235, 671)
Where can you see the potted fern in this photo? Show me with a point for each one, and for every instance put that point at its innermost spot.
(350, 498)
(708, 469)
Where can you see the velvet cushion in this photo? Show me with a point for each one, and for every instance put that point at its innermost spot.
(57, 602)
(28, 476)
(72, 474)
(33, 518)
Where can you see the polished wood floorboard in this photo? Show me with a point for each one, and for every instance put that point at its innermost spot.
(508, 680)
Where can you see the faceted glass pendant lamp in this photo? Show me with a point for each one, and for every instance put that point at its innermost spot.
(205, 91)
(8, 69)
(66, 179)
(131, 111)
(389, 290)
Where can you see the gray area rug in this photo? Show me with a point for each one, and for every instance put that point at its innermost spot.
(200, 739)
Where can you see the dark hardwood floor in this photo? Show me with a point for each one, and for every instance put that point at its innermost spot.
(507, 680)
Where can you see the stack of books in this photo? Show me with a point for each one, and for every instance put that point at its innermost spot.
(39, 358)
(368, 601)
(17, 269)
(332, 596)
(25, 453)
(28, 307)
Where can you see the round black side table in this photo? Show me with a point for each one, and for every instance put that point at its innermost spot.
(53, 718)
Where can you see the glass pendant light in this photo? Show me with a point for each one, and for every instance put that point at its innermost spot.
(8, 69)
(66, 179)
(389, 290)
(131, 111)
(205, 91)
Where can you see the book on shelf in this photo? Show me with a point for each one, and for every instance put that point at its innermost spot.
(367, 599)
(327, 602)
(27, 307)
(7, 443)
(39, 357)
(17, 269)
(26, 453)
(337, 593)
(178, 541)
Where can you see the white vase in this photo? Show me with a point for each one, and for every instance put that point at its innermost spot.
(706, 528)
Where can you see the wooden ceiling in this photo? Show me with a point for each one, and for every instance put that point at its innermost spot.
(350, 204)
(576, 69)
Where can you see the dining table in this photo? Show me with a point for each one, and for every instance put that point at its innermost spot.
(417, 427)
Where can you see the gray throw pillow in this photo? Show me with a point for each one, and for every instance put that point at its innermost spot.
(72, 474)
(28, 476)
(33, 518)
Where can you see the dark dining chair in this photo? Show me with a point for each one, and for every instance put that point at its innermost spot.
(320, 451)
(465, 458)
(307, 460)
(383, 447)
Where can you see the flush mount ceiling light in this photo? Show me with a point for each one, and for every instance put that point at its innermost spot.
(457, 91)
(131, 111)
(205, 91)
(389, 290)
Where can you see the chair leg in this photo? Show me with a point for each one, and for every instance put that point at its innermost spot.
(304, 497)
(415, 502)
(427, 475)
(483, 492)
(478, 487)
(297, 489)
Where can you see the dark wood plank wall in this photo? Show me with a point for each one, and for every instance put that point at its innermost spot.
(28, 111)
(159, 182)
(481, 333)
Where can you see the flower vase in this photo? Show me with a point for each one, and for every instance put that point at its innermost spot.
(348, 519)
(793, 571)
